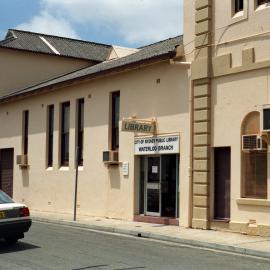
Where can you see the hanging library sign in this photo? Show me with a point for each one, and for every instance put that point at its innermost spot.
(139, 126)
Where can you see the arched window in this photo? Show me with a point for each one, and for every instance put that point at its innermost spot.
(254, 163)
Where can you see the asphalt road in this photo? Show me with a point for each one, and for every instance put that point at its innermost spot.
(56, 247)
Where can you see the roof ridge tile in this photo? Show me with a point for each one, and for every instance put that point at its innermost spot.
(60, 37)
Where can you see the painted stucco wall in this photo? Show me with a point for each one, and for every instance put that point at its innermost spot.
(189, 29)
(232, 58)
(236, 32)
(231, 32)
(102, 191)
(20, 69)
(237, 94)
(233, 98)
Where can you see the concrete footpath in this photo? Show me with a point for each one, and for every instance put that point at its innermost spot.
(217, 240)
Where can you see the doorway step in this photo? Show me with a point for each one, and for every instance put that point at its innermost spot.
(157, 220)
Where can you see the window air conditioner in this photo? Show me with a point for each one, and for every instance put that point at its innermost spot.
(22, 160)
(253, 143)
(110, 157)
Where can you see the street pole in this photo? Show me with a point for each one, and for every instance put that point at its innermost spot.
(76, 183)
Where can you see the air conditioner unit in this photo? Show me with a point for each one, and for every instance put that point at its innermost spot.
(253, 142)
(265, 118)
(110, 157)
(22, 160)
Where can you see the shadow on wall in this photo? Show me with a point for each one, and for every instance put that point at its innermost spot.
(114, 177)
(25, 178)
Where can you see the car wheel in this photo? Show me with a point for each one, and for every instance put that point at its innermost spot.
(11, 240)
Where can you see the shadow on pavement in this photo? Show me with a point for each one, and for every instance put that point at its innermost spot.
(20, 246)
(89, 267)
(104, 265)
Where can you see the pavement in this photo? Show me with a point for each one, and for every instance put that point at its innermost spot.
(210, 239)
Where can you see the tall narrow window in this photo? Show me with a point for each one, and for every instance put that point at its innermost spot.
(254, 166)
(50, 122)
(25, 131)
(80, 128)
(239, 5)
(65, 111)
(254, 162)
(115, 120)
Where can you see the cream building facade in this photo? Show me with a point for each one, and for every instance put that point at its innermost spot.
(45, 123)
(227, 42)
(205, 162)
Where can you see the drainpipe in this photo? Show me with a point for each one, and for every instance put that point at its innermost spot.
(76, 185)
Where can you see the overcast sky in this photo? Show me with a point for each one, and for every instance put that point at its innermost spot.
(120, 22)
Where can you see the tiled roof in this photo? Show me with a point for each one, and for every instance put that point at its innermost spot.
(157, 50)
(55, 45)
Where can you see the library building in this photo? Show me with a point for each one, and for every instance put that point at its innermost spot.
(119, 117)
(176, 132)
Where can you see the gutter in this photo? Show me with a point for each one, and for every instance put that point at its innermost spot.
(182, 63)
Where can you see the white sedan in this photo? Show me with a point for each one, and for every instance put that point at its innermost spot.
(14, 219)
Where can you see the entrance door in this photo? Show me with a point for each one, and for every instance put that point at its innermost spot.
(153, 198)
(169, 184)
(222, 193)
(161, 182)
(6, 170)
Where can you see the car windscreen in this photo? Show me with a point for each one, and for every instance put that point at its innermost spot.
(4, 198)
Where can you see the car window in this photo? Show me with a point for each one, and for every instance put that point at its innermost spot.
(4, 198)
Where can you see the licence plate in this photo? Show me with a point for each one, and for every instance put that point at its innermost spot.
(2, 214)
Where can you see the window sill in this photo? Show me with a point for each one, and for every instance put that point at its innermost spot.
(253, 202)
(64, 169)
(80, 168)
(239, 16)
(262, 7)
(49, 169)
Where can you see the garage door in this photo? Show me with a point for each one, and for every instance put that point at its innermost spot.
(6, 170)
